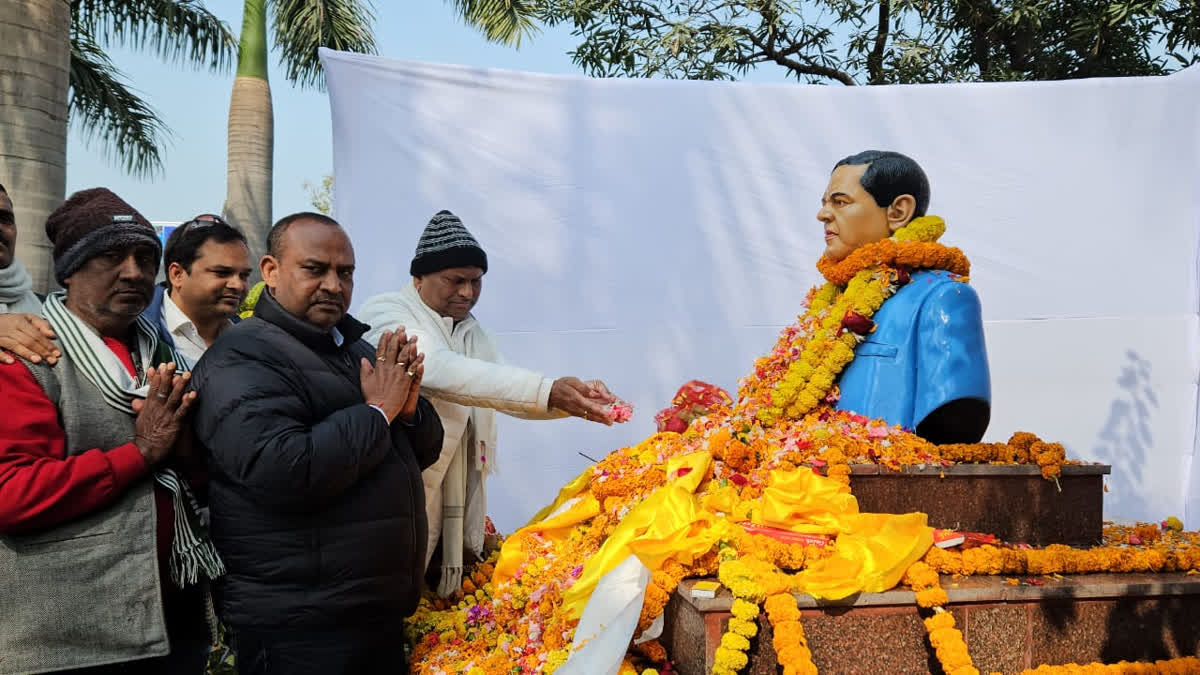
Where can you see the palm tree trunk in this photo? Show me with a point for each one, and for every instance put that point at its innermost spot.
(251, 134)
(34, 80)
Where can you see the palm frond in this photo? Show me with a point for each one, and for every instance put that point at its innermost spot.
(183, 31)
(303, 26)
(503, 21)
(108, 111)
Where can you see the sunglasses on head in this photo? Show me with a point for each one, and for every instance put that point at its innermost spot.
(203, 221)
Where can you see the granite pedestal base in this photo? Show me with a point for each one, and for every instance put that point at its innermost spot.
(1081, 619)
(1012, 502)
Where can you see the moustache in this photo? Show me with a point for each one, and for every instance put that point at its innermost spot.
(142, 291)
(330, 299)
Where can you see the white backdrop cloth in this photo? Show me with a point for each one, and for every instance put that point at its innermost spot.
(648, 232)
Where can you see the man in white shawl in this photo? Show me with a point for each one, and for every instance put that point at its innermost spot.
(468, 382)
(23, 331)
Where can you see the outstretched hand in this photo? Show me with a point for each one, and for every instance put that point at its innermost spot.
(600, 392)
(577, 398)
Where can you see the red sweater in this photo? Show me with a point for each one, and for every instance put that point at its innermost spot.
(41, 487)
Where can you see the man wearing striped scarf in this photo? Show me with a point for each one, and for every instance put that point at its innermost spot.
(104, 553)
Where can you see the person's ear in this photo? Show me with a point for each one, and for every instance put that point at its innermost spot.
(901, 212)
(269, 267)
(175, 275)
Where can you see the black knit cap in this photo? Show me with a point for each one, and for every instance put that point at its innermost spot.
(92, 222)
(446, 243)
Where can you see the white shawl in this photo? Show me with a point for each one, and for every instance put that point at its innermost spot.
(467, 381)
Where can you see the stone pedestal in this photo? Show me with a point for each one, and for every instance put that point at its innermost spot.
(1081, 619)
(1012, 502)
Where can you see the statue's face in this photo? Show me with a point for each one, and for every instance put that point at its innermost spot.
(849, 213)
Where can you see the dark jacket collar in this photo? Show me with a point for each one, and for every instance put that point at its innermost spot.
(268, 309)
(154, 314)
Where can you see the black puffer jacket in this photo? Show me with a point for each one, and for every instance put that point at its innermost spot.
(317, 506)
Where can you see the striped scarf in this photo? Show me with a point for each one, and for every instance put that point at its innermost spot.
(192, 553)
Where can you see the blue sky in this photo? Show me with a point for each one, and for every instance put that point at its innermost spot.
(195, 104)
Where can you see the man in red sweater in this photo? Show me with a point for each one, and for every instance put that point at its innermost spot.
(104, 554)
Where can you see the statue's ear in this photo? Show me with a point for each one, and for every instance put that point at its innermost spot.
(901, 212)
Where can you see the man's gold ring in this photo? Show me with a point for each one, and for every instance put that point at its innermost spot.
(380, 359)
(411, 374)
(401, 364)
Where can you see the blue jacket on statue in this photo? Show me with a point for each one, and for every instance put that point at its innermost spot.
(927, 350)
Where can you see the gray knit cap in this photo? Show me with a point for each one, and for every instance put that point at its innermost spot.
(446, 243)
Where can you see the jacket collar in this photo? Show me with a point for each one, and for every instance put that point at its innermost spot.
(154, 313)
(268, 309)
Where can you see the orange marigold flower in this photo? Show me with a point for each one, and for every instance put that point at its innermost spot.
(932, 597)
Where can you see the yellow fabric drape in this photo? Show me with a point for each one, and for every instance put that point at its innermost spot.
(873, 549)
(802, 501)
(578, 484)
(666, 524)
(555, 529)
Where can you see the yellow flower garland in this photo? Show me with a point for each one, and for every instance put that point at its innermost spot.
(731, 656)
(808, 358)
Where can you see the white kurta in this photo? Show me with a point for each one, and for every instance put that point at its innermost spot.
(467, 380)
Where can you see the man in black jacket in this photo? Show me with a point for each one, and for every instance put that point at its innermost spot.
(317, 441)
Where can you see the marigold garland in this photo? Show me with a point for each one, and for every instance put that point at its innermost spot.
(946, 640)
(948, 644)
(1187, 665)
(805, 363)
(791, 647)
(1168, 554)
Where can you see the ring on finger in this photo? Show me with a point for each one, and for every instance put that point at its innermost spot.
(380, 359)
(162, 395)
(402, 364)
(411, 374)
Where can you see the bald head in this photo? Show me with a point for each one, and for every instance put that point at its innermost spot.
(309, 268)
(276, 238)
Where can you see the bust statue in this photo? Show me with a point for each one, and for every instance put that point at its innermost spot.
(924, 366)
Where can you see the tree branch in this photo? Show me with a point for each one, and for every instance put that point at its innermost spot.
(107, 110)
(798, 67)
(875, 58)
